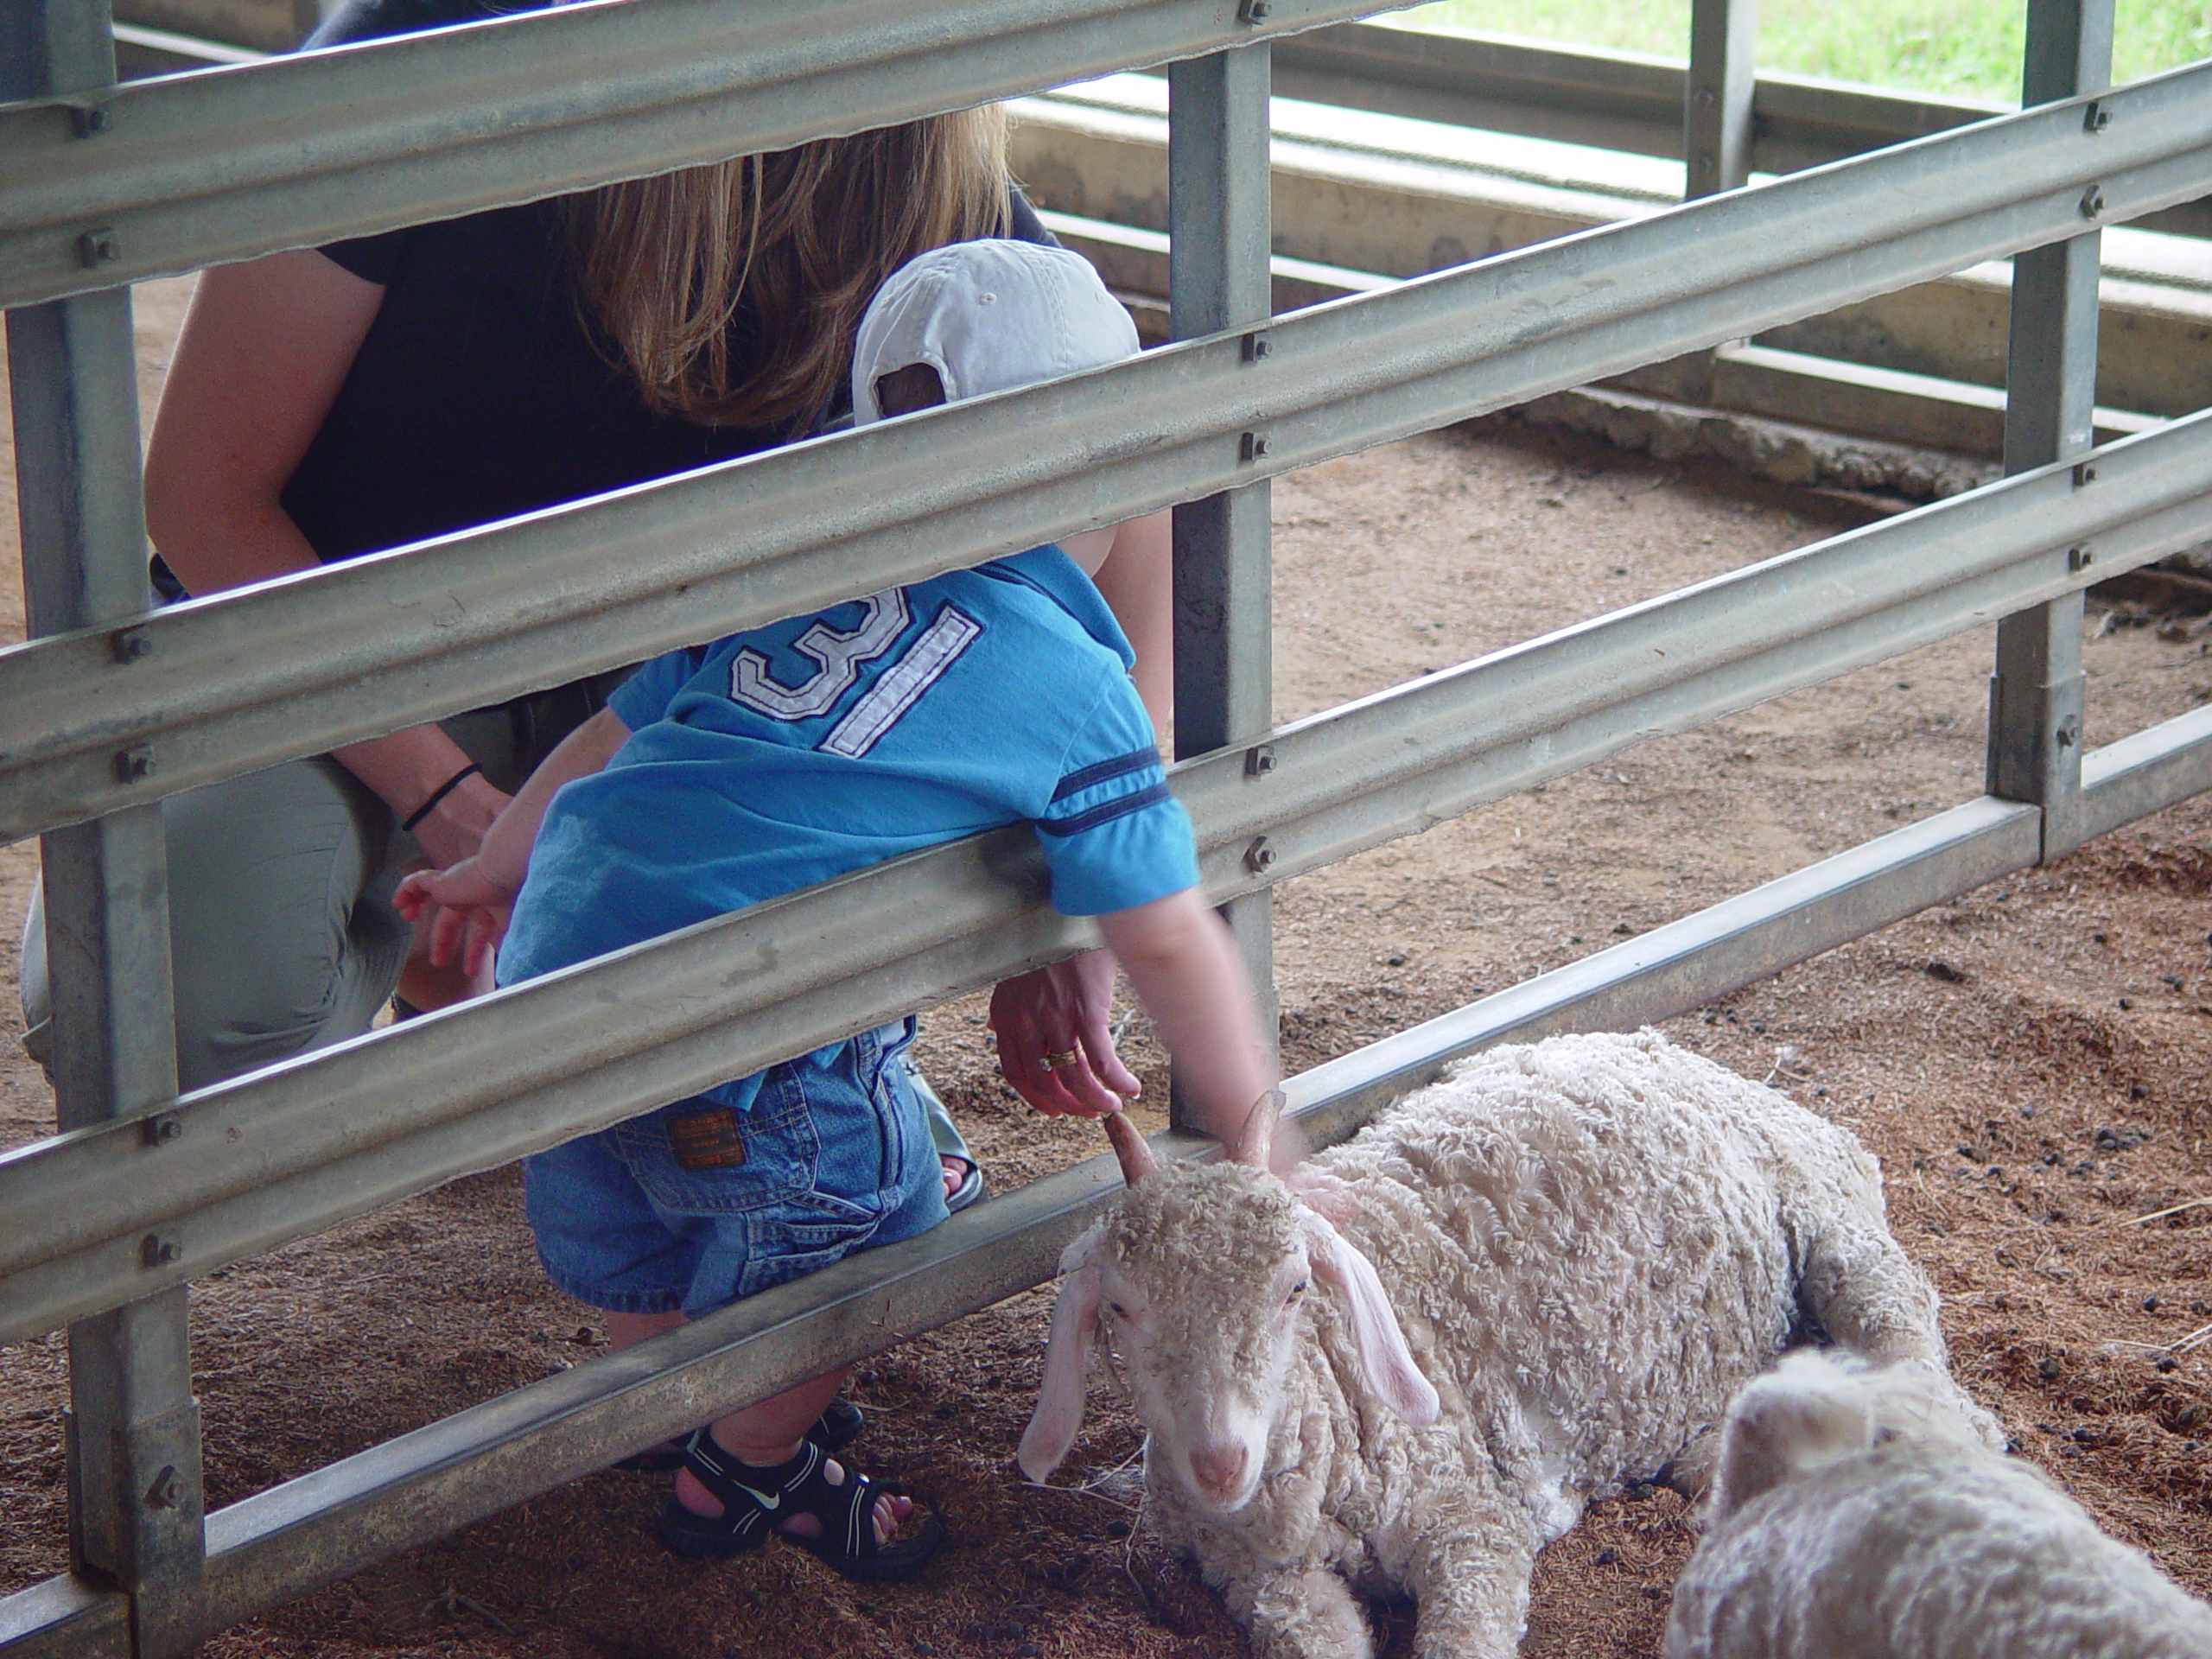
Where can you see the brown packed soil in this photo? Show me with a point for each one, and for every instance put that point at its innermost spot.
(2029, 1062)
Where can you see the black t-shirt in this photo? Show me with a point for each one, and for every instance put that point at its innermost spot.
(480, 391)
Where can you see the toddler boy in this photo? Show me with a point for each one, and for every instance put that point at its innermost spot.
(729, 773)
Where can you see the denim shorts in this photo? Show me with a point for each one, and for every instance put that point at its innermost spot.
(701, 1203)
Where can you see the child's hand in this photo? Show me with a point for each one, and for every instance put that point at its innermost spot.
(473, 912)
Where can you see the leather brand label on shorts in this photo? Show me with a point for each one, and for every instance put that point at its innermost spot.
(709, 1139)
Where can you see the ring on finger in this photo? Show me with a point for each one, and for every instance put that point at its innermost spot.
(1059, 1059)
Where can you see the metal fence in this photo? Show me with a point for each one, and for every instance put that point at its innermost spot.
(111, 707)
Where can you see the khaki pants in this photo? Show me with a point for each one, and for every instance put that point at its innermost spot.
(283, 937)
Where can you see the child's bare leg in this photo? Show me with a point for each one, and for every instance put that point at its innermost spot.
(770, 1434)
(625, 1329)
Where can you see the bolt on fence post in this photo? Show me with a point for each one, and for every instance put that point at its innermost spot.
(1218, 217)
(135, 1491)
(2050, 377)
(1717, 96)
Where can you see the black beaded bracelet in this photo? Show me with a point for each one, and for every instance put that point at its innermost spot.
(439, 794)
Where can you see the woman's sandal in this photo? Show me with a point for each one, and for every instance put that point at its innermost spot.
(755, 1502)
(839, 1425)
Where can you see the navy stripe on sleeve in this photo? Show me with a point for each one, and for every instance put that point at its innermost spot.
(1120, 806)
(1120, 767)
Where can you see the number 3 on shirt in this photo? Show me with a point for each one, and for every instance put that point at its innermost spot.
(841, 654)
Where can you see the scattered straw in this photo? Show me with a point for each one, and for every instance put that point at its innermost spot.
(2202, 1334)
(2172, 1209)
(1093, 1486)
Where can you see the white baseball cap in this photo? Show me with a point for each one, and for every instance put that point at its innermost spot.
(988, 316)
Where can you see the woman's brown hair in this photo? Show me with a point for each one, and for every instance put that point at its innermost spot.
(761, 267)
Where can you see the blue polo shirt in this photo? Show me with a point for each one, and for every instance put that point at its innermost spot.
(781, 757)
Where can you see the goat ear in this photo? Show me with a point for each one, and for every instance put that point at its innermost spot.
(1391, 1370)
(1052, 1426)
(1788, 1422)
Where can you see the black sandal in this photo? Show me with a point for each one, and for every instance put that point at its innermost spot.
(755, 1500)
(839, 1425)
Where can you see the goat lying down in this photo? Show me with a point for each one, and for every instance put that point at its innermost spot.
(1858, 1516)
(1512, 1291)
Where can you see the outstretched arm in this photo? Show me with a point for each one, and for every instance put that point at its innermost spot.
(1053, 1010)
(476, 893)
(1185, 966)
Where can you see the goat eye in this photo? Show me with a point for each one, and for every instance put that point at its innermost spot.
(1296, 1291)
(1117, 1310)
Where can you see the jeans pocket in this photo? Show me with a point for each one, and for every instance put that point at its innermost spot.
(861, 1109)
(787, 1243)
(701, 1158)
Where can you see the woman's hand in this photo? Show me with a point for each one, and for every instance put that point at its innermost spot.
(472, 908)
(1054, 1047)
(456, 827)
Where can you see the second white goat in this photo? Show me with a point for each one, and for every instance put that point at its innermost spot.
(1858, 1516)
(1515, 1290)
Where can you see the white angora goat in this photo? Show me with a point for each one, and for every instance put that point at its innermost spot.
(1858, 1515)
(1513, 1291)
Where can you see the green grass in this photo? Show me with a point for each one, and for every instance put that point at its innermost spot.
(1967, 49)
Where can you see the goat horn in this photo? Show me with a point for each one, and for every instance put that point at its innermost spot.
(1257, 1138)
(1130, 1147)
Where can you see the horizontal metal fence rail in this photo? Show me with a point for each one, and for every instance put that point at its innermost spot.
(66, 1617)
(1617, 100)
(2147, 771)
(106, 1214)
(92, 722)
(285, 1542)
(1577, 94)
(1612, 100)
(152, 178)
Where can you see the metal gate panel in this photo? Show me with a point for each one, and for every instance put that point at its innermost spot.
(364, 647)
(112, 1217)
(297, 1148)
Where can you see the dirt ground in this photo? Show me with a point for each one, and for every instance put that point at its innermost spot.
(2029, 1062)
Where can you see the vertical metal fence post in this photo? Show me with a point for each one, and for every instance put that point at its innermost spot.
(2035, 695)
(1717, 109)
(1717, 126)
(135, 1488)
(1218, 225)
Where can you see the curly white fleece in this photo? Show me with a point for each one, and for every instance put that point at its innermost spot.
(1589, 1241)
(1857, 1516)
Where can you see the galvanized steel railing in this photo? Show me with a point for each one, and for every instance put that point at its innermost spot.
(171, 175)
(287, 1152)
(447, 625)
(115, 707)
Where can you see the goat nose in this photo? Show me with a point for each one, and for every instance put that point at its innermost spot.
(1218, 1468)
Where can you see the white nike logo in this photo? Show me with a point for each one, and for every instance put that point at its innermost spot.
(769, 1501)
